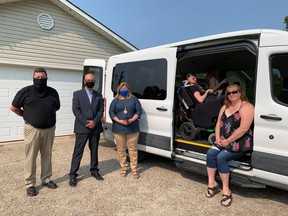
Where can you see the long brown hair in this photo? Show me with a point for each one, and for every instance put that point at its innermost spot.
(120, 86)
(243, 97)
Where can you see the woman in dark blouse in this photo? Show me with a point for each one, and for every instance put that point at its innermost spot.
(125, 110)
(233, 140)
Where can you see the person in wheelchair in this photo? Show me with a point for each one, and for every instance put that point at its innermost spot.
(202, 104)
(198, 92)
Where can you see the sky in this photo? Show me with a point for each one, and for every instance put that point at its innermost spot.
(148, 23)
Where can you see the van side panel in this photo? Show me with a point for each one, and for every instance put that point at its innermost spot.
(156, 141)
(270, 162)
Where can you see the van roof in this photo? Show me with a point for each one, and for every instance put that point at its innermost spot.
(269, 37)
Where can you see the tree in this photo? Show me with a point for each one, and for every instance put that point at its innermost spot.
(286, 23)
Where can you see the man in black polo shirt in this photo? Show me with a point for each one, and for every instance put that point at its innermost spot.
(37, 104)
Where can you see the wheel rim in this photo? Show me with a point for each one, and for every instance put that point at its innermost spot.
(188, 131)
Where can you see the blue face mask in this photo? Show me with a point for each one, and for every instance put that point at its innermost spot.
(124, 92)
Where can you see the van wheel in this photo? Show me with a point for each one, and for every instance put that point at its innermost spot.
(141, 156)
(212, 138)
(187, 131)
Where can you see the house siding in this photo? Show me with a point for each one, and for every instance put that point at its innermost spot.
(66, 45)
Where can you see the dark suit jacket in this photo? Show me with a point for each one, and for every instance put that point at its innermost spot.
(84, 111)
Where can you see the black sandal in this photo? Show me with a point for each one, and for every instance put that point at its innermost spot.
(225, 198)
(214, 190)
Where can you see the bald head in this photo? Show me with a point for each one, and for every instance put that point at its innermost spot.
(89, 81)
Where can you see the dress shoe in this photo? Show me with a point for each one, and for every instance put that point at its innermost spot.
(73, 182)
(97, 176)
(51, 185)
(31, 191)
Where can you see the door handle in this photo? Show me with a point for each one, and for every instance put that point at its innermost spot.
(161, 108)
(271, 117)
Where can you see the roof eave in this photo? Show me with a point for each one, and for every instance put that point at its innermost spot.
(94, 24)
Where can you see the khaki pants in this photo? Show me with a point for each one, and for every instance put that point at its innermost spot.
(130, 140)
(36, 140)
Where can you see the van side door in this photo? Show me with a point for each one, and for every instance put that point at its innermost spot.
(270, 154)
(151, 76)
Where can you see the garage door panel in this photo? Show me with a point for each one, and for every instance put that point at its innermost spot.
(10, 131)
(5, 131)
(65, 128)
(4, 112)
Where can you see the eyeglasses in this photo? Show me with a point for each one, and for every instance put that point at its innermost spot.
(232, 92)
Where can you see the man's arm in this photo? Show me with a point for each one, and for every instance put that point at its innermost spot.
(17, 110)
(76, 108)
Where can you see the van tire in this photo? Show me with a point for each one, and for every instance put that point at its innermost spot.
(188, 131)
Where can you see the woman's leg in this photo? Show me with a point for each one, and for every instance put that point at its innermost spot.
(225, 183)
(121, 149)
(211, 164)
(211, 177)
(224, 171)
(132, 140)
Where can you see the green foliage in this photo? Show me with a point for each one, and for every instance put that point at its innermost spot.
(286, 23)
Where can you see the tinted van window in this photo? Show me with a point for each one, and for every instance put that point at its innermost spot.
(279, 75)
(147, 79)
(98, 73)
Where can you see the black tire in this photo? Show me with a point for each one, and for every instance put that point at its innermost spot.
(211, 138)
(188, 131)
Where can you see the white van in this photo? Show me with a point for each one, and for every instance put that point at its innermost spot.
(257, 59)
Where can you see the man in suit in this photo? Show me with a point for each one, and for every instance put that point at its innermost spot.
(88, 108)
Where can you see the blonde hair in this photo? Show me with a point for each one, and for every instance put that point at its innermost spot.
(121, 85)
(243, 97)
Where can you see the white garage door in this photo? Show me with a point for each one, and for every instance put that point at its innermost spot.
(13, 79)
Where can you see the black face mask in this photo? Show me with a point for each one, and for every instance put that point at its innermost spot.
(40, 85)
(90, 84)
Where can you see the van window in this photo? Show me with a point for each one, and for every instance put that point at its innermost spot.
(98, 73)
(147, 79)
(279, 75)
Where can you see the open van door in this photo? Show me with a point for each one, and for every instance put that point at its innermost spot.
(97, 68)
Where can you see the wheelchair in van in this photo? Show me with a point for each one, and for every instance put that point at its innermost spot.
(194, 118)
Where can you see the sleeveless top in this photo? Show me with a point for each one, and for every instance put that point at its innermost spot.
(227, 127)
